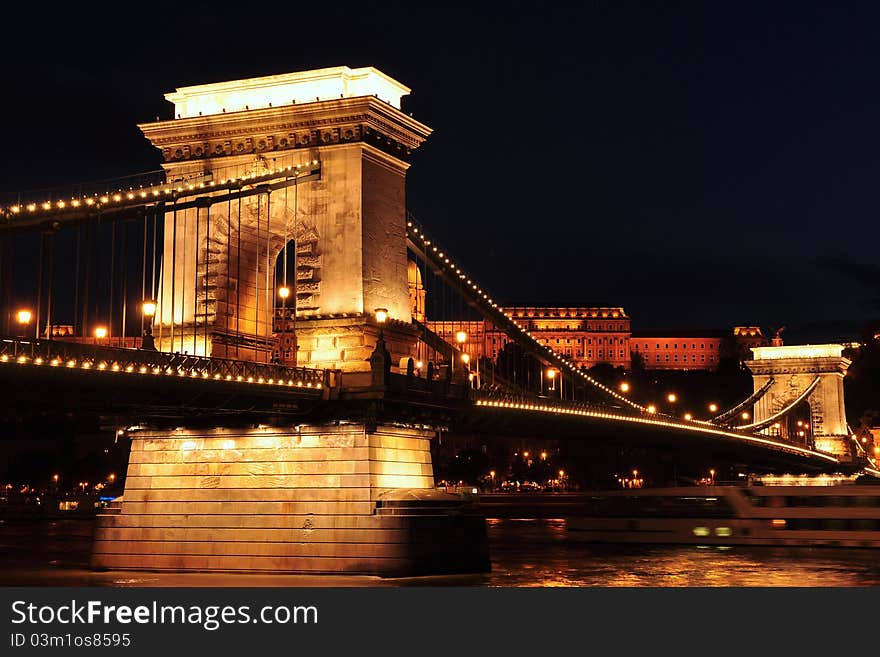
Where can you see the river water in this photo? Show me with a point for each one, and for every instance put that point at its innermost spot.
(524, 553)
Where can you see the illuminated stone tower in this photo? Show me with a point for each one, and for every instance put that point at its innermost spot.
(793, 369)
(348, 224)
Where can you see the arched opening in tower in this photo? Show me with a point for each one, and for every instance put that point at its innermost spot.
(285, 308)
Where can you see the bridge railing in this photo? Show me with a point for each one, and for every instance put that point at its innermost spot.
(58, 353)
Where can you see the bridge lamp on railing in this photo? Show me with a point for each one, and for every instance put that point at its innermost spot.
(381, 318)
(100, 333)
(148, 311)
(24, 317)
(688, 417)
(551, 377)
(652, 408)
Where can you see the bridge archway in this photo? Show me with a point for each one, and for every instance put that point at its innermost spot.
(790, 370)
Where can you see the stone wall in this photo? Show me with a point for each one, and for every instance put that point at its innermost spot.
(296, 500)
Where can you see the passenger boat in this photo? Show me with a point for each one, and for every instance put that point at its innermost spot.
(839, 516)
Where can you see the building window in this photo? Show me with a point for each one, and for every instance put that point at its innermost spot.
(621, 353)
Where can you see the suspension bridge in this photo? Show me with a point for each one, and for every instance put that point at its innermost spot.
(258, 320)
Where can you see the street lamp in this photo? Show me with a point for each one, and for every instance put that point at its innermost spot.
(284, 292)
(671, 397)
(551, 375)
(624, 387)
(23, 317)
(101, 332)
(148, 311)
(713, 407)
(712, 476)
(745, 415)
(652, 408)
(688, 417)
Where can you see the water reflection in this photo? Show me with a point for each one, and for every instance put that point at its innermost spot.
(525, 552)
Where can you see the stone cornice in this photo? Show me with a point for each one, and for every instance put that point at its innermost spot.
(309, 125)
(835, 365)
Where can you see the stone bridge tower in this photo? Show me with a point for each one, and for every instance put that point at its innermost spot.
(793, 369)
(218, 288)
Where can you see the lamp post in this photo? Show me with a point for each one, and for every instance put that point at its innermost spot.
(100, 333)
(148, 311)
(551, 375)
(23, 317)
(284, 295)
(381, 359)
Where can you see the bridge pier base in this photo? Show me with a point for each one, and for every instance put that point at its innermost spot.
(309, 499)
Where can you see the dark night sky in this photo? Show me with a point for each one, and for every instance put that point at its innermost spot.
(701, 164)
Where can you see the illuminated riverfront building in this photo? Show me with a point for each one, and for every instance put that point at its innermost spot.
(678, 350)
(590, 335)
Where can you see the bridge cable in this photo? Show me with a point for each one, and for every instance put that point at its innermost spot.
(228, 265)
(40, 287)
(270, 293)
(153, 269)
(238, 283)
(87, 278)
(509, 325)
(160, 279)
(770, 420)
(112, 280)
(195, 323)
(124, 286)
(76, 268)
(207, 269)
(51, 258)
(721, 418)
(173, 270)
(144, 269)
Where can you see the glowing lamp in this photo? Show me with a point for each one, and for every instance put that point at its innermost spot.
(100, 332)
(23, 316)
(671, 397)
(381, 315)
(624, 387)
(284, 292)
(460, 337)
(149, 308)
